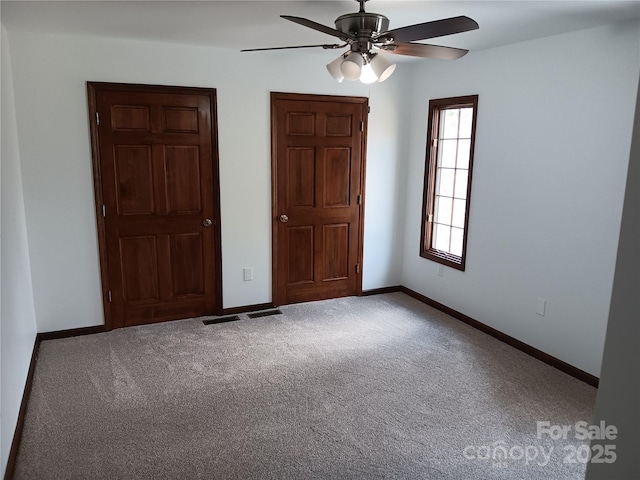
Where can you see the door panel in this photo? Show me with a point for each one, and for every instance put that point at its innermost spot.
(130, 118)
(180, 119)
(300, 123)
(337, 182)
(182, 167)
(318, 167)
(139, 259)
(133, 179)
(301, 177)
(336, 252)
(339, 125)
(300, 254)
(186, 252)
(156, 174)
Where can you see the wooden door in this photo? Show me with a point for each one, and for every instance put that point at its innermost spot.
(157, 199)
(318, 169)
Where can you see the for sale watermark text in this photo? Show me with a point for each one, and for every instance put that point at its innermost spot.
(500, 454)
(580, 431)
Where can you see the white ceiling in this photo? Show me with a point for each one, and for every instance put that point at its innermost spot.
(253, 24)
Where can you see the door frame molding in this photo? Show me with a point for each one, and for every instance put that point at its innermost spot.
(364, 101)
(92, 92)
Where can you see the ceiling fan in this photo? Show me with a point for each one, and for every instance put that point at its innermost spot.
(367, 35)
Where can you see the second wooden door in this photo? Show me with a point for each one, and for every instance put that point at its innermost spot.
(318, 169)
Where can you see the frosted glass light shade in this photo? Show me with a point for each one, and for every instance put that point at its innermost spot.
(368, 75)
(352, 66)
(382, 67)
(335, 70)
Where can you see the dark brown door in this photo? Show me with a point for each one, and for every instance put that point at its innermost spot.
(156, 171)
(318, 168)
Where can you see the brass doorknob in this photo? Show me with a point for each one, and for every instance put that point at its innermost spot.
(207, 222)
(284, 218)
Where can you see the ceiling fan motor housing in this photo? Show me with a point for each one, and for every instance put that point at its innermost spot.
(364, 26)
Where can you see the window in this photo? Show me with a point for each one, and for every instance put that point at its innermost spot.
(447, 183)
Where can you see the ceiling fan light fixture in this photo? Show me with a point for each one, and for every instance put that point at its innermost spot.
(335, 70)
(381, 67)
(351, 67)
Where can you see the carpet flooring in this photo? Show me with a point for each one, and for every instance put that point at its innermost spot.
(360, 387)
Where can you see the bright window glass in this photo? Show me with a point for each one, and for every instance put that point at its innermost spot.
(452, 123)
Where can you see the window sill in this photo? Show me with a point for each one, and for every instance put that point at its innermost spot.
(444, 258)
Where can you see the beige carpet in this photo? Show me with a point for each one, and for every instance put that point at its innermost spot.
(369, 387)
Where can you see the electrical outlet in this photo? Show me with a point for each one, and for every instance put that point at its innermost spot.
(541, 305)
(247, 274)
(440, 270)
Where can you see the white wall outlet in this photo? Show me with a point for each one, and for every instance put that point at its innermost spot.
(541, 305)
(247, 274)
(440, 270)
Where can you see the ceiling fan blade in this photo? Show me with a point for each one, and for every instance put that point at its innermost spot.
(325, 46)
(425, 51)
(437, 28)
(318, 26)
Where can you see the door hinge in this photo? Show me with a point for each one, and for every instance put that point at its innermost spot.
(357, 268)
(97, 118)
(369, 109)
(104, 210)
(359, 199)
(109, 295)
(362, 126)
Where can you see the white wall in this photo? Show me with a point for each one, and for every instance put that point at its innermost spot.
(552, 148)
(17, 316)
(49, 75)
(385, 193)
